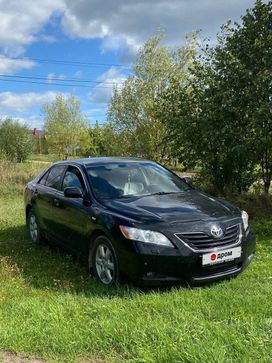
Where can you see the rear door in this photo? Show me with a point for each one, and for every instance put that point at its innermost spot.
(45, 198)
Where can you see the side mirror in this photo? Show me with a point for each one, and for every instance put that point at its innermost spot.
(72, 192)
(188, 180)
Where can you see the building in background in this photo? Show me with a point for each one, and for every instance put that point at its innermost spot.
(40, 144)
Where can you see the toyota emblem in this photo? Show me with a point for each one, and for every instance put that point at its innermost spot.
(216, 231)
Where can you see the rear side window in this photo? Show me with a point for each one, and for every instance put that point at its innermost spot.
(53, 177)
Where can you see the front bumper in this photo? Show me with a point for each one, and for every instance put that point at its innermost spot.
(149, 265)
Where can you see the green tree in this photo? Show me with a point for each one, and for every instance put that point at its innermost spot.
(222, 120)
(250, 45)
(105, 141)
(16, 140)
(207, 130)
(66, 129)
(133, 110)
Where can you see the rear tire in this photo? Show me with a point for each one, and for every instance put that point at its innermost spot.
(33, 228)
(104, 262)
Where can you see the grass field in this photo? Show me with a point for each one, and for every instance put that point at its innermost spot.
(50, 308)
(49, 158)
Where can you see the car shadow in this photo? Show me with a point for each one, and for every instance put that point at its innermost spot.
(48, 267)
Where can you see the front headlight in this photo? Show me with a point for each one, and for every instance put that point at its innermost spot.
(146, 236)
(245, 219)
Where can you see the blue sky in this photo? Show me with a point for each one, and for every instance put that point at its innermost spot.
(88, 45)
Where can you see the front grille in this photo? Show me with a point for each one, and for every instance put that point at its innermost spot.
(202, 241)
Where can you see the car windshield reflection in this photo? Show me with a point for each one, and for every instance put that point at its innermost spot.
(129, 180)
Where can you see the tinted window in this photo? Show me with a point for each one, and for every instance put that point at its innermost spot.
(115, 180)
(54, 177)
(73, 178)
(43, 179)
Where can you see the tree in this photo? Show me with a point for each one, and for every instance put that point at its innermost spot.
(222, 120)
(133, 110)
(66, 130)
(250, 44)
(208, 132)
(105, 141)
(16, 140)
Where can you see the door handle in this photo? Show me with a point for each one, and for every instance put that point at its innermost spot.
(57, 202)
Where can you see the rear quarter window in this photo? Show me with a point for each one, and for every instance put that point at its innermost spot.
(43, 179)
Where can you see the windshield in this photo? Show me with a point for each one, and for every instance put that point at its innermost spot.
(131, 179)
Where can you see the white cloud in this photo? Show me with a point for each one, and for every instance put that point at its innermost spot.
(120, 24)
(52, 77)
(20, 102)
(92, 29)
(11, 66)
(22, 20)
(32, 121)
(102, 93)
(126, 25)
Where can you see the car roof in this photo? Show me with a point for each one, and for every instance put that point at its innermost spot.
(102, 160)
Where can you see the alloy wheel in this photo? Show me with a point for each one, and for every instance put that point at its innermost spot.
(104, 263)
(33, 228)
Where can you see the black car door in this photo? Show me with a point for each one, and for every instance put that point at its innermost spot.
(45, 198)
(73, 215)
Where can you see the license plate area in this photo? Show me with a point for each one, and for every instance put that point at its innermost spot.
(217, 257)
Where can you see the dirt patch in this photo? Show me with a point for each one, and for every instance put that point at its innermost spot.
(7, 357)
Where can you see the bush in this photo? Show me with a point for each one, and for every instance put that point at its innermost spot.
(16, 140)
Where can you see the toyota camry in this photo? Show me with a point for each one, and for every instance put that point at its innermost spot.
(136, 219)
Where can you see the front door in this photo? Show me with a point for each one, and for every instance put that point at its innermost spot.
(73, 216)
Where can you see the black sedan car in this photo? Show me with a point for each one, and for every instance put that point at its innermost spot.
(134, 218)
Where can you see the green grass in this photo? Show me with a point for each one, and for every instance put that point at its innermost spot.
(14, 177)
(50, 158)
(50, 308)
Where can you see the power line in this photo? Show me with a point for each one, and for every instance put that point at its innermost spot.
(49, 79)
(51, 83)
(73, 63)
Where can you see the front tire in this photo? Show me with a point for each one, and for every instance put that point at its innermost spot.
(104, 261)
(33, 228)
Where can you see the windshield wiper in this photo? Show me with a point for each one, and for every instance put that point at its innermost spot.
(142, 195)
(164, 193)
(123, 196)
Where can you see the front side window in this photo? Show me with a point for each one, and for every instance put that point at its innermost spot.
(115, 180)
(73, 178)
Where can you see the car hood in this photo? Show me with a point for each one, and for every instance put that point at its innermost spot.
(187, 206)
